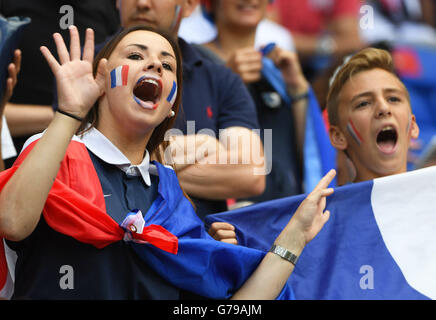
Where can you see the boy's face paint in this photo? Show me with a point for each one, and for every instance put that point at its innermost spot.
(354, 132)
(375, 114)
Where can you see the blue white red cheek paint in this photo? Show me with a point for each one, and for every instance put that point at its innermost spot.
(354, 133)
(119, 76)
(172, 96)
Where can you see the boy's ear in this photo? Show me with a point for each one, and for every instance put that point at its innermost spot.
(414, 129)
(337, 138)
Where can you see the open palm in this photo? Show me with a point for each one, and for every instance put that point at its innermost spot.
(77, 88)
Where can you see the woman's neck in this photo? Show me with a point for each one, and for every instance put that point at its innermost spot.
(131, 145)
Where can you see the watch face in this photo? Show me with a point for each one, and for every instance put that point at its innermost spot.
(281, 251)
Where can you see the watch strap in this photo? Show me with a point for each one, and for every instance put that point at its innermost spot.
(284, 253)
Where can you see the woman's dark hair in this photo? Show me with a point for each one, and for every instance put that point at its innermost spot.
(157, 138)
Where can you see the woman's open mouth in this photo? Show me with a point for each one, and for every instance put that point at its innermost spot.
(147, 92)
(387, 139)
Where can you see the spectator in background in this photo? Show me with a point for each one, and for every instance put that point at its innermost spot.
(29, 110)
(7, 149)
(236, 22)
(214, 98)
(320, 27)
(401, 22)
(199, 28)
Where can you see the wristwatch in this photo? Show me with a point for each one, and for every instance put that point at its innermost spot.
(284, 253)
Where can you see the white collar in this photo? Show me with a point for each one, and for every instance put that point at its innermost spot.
(103, 148)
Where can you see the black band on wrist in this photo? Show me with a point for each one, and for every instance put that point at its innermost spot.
(299, 97)
(70, 115)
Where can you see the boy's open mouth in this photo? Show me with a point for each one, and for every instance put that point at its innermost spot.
(387, 139)
(147, 92)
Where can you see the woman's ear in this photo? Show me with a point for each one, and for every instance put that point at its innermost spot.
(337, 138)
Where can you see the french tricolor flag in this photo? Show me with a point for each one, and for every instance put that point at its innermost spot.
(119, 76)
(379, 242)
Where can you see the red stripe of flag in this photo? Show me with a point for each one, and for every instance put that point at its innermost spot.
(124, 74)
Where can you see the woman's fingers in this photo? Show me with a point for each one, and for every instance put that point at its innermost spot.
(74, 43)
(88, 48)
(102, 71)
(17, 60)
(52, 62)
(325, 181)
(62, 50)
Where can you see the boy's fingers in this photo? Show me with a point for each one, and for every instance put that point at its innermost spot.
(231, 241)
(221, 225)
(224, 234)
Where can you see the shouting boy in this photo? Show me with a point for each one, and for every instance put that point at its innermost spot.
(370, 115)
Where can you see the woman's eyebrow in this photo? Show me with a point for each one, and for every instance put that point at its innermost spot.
(145, 48)
(139, 46)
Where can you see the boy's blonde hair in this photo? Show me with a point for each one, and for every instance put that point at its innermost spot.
(364, 60)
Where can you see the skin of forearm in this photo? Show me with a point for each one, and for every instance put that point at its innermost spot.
(221, 171)
(23, 197)
(24, 120)
(273, 269)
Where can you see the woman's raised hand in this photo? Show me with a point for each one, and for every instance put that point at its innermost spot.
(78, 90)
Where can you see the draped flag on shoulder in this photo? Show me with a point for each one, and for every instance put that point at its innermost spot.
(170, 237)
(379, 242)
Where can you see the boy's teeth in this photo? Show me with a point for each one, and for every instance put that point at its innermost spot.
(387, 128)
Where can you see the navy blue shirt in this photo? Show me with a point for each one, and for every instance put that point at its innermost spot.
(274, 114)
(285, 178)
(215, 98)
(114, 272)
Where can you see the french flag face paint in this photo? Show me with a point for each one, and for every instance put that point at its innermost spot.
(354, 133)
(173, 94)
(119, 76)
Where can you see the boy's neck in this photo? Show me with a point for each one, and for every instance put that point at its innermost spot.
(364, 174)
